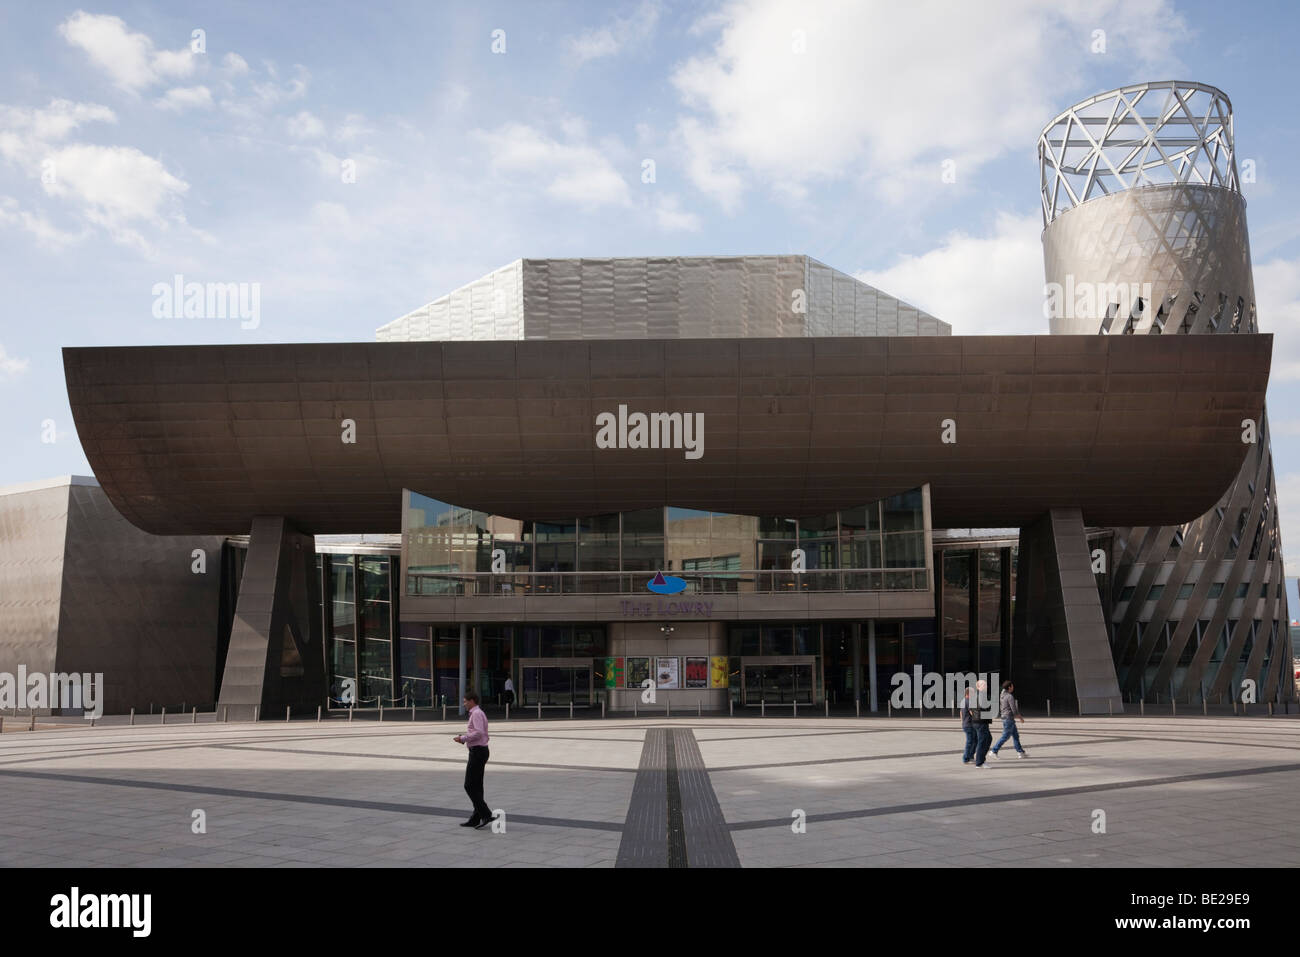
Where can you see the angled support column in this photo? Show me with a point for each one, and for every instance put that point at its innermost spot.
(1061, 647)
(275, 657)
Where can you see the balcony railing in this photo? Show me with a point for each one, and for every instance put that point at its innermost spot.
(767, 582)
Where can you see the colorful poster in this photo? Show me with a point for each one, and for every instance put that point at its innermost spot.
(718, 671)
(666, 673)
(696, 673)
(613, 672)
(637, 671)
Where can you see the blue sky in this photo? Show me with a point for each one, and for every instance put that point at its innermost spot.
(226, 165)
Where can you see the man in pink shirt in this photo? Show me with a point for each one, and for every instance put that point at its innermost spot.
(476, 739)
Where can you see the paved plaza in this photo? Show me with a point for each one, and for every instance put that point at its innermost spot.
(875, 792)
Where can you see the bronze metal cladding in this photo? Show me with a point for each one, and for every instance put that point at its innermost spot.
(1132, 430)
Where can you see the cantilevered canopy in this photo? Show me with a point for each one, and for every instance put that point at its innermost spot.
(1134, 430)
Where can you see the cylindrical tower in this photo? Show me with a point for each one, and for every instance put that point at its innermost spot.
(1145, 233)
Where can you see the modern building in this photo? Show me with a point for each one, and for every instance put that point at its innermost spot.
(1143, 216)
(745, 481)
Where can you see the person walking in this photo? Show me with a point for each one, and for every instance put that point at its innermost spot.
(476, 739)
(510, 690)
(969, 726)
(1009, 709)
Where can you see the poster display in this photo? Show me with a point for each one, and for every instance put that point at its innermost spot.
(636, 671)
(666, 673)
(613, 672)
(696, 673)
(718, 671)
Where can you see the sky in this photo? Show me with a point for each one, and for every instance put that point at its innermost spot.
(354, 162)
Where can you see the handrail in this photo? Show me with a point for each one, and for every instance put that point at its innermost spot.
(763, 581)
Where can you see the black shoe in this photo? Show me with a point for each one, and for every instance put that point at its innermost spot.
(472, 822)
(482, 824)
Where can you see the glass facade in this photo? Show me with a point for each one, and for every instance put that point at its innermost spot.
(975, 601)
(876, 547)
(359, 618)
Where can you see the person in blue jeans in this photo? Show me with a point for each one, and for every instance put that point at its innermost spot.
(969, 725)
(1009, 709)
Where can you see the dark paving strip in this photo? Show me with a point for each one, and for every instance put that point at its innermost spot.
(646, 827)
(390, 807)
(707, 838)
(890, 757)
(1019, 796)
(676, 827)
(415, 757)
(557, 737)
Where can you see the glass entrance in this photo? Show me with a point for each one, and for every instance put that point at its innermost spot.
(556, 682)
(777, 680)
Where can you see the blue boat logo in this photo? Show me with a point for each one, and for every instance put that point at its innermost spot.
(663, 584)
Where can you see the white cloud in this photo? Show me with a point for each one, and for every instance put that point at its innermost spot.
(354, 125)
(454, 98)
(672, 218)
(26, 133)
(619, 34)
(234, 64)
(574, 172)
(182, 98)
(1288, 504)
(10, 367)
(982, 285)
(887, 91)
(1277, 297)
(46, 233)
(305, 126)
(129, 59)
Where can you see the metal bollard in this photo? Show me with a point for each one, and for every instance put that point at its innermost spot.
(857, 707)
(381, 707)
(1234, 705)
(444, 710)
(133, 717)
(194, 715)
(796, 708)
(762, 708)
(889, 709)
(602, 709)
(699, 709)
(164, 715)
(1173, 707)
(1049, 707)
(1110, 708)
(634, 700)
(2, 724)
(92, 720)
(318, 714)
(508, 711)
(1142, 707)
(32, 726)
(257, 713)
(286, 712)
(1270, 709)
(668, 707)
(539, 709)
(1204, 709)
(351, 708)
(731, 706)
(828, 707)
(225, 714)
(570, 709)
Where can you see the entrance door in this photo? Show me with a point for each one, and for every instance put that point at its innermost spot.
(556, 682)
(777, 680)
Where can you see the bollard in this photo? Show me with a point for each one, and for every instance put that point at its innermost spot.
(602, 709)
(92, 720)
(1110, 708)
(444, 710)
(2, 724)
(668, 707)
(796, 709)
(32, 726)
(194, 715)
(634, 699)
(257, 713)
(731, 707)
(412, 714)
(857, 707)
(381, 706)
(539, 709)
(1049, 707)
(351, 708)
(164, 715)
(828, 707)
(570, 709)
(286, 712)
(762, 708)
(1204, 709)
(508, 710)
(1270, 711)
(225, 714)
(1173, 707)
(889, 708)
(1234, 705)
(699, 709)
(133, 717)
(317, 714)
(1142, 707)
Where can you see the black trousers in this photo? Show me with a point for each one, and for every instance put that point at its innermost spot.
(478, 758)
